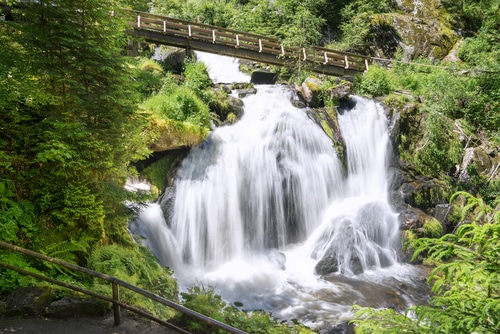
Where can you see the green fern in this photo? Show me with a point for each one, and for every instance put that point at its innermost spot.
(67, 251)
(140, 268)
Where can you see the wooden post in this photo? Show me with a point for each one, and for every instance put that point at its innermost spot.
(346, 61)
(237, 41)
(213, 36)
(116, 306)
(260, 45)
(189, 30)
(282, 50)
(164, 26)
(326, 58)
(304, 53)
(138, 21)
(366, 64)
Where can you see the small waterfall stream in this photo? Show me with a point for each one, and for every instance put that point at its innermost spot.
(262, 206)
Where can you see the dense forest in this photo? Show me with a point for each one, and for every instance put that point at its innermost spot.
(76, 113)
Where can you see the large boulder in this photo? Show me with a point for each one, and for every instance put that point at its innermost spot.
(421, 28)
(310, 91)
(28, 301)
(71, 306)
(172, 135)
(263, 77)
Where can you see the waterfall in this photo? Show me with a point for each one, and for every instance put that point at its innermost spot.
(263, 208)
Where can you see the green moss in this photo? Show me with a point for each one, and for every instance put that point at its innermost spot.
(409, 236)
(327, 129)
(433, 228)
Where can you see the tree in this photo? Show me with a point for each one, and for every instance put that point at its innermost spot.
(68, 116)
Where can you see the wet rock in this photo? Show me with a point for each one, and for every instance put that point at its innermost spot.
(310, 91)
(263, 77)
(342, 90)
(277, 258)
(235, 106)
(342, 328)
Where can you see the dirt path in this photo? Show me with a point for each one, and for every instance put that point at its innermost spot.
(130, 324)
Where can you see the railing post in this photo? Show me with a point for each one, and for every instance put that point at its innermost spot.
(326, 58)
(282, 50)
(164, 26)
(346, 61)
(138, 21)
(189, 30)
(116, 306)
(237, 41)
(213, 35)
(366, 64)
(304, 53)
(260, 45)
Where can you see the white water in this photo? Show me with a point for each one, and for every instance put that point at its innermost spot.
(259, 203)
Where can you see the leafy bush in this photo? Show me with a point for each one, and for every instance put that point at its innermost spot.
(375, 82)
(179, 104)
(205, 301)
(466, 281)
(140, 268)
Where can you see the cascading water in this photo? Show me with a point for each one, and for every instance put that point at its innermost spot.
(262, 206)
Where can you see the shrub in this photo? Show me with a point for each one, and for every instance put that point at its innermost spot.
(466, 281)
(375, 82)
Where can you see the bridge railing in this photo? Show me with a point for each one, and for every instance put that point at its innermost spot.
(238, 39)
(115, 299)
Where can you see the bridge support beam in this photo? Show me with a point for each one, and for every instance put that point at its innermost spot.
(231, 51)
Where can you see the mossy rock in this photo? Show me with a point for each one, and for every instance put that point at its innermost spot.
(432, 228)
(418, 37)
(172, 135)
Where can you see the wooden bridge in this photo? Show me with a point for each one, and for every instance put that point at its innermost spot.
(227, 42)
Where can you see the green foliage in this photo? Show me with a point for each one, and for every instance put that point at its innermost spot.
(466, 281)
(355, 23)
(196, 77)
(138, 267)
(181, 105)
(16, 218)
(67, 250)
(149, 76)
(11, 280)
(158, 172)
(433, 228)
(205, 301)
(67, 96)
(375, 82)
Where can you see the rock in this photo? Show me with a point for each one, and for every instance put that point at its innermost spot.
(242, 93)
(28, 301)
(342, 90)
(342, 328)
(277, 258)
(70, 306)
(422, 35)
(170, 137)
(171, 58)
(235, 106)
(478, 159)
(327, 118)
(310, 90)
(263, 77)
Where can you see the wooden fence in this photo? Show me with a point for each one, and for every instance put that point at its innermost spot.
(115, 298)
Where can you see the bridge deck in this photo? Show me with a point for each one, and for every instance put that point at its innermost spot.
(201, 37)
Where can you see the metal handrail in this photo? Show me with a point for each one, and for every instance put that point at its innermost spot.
(116, 283)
